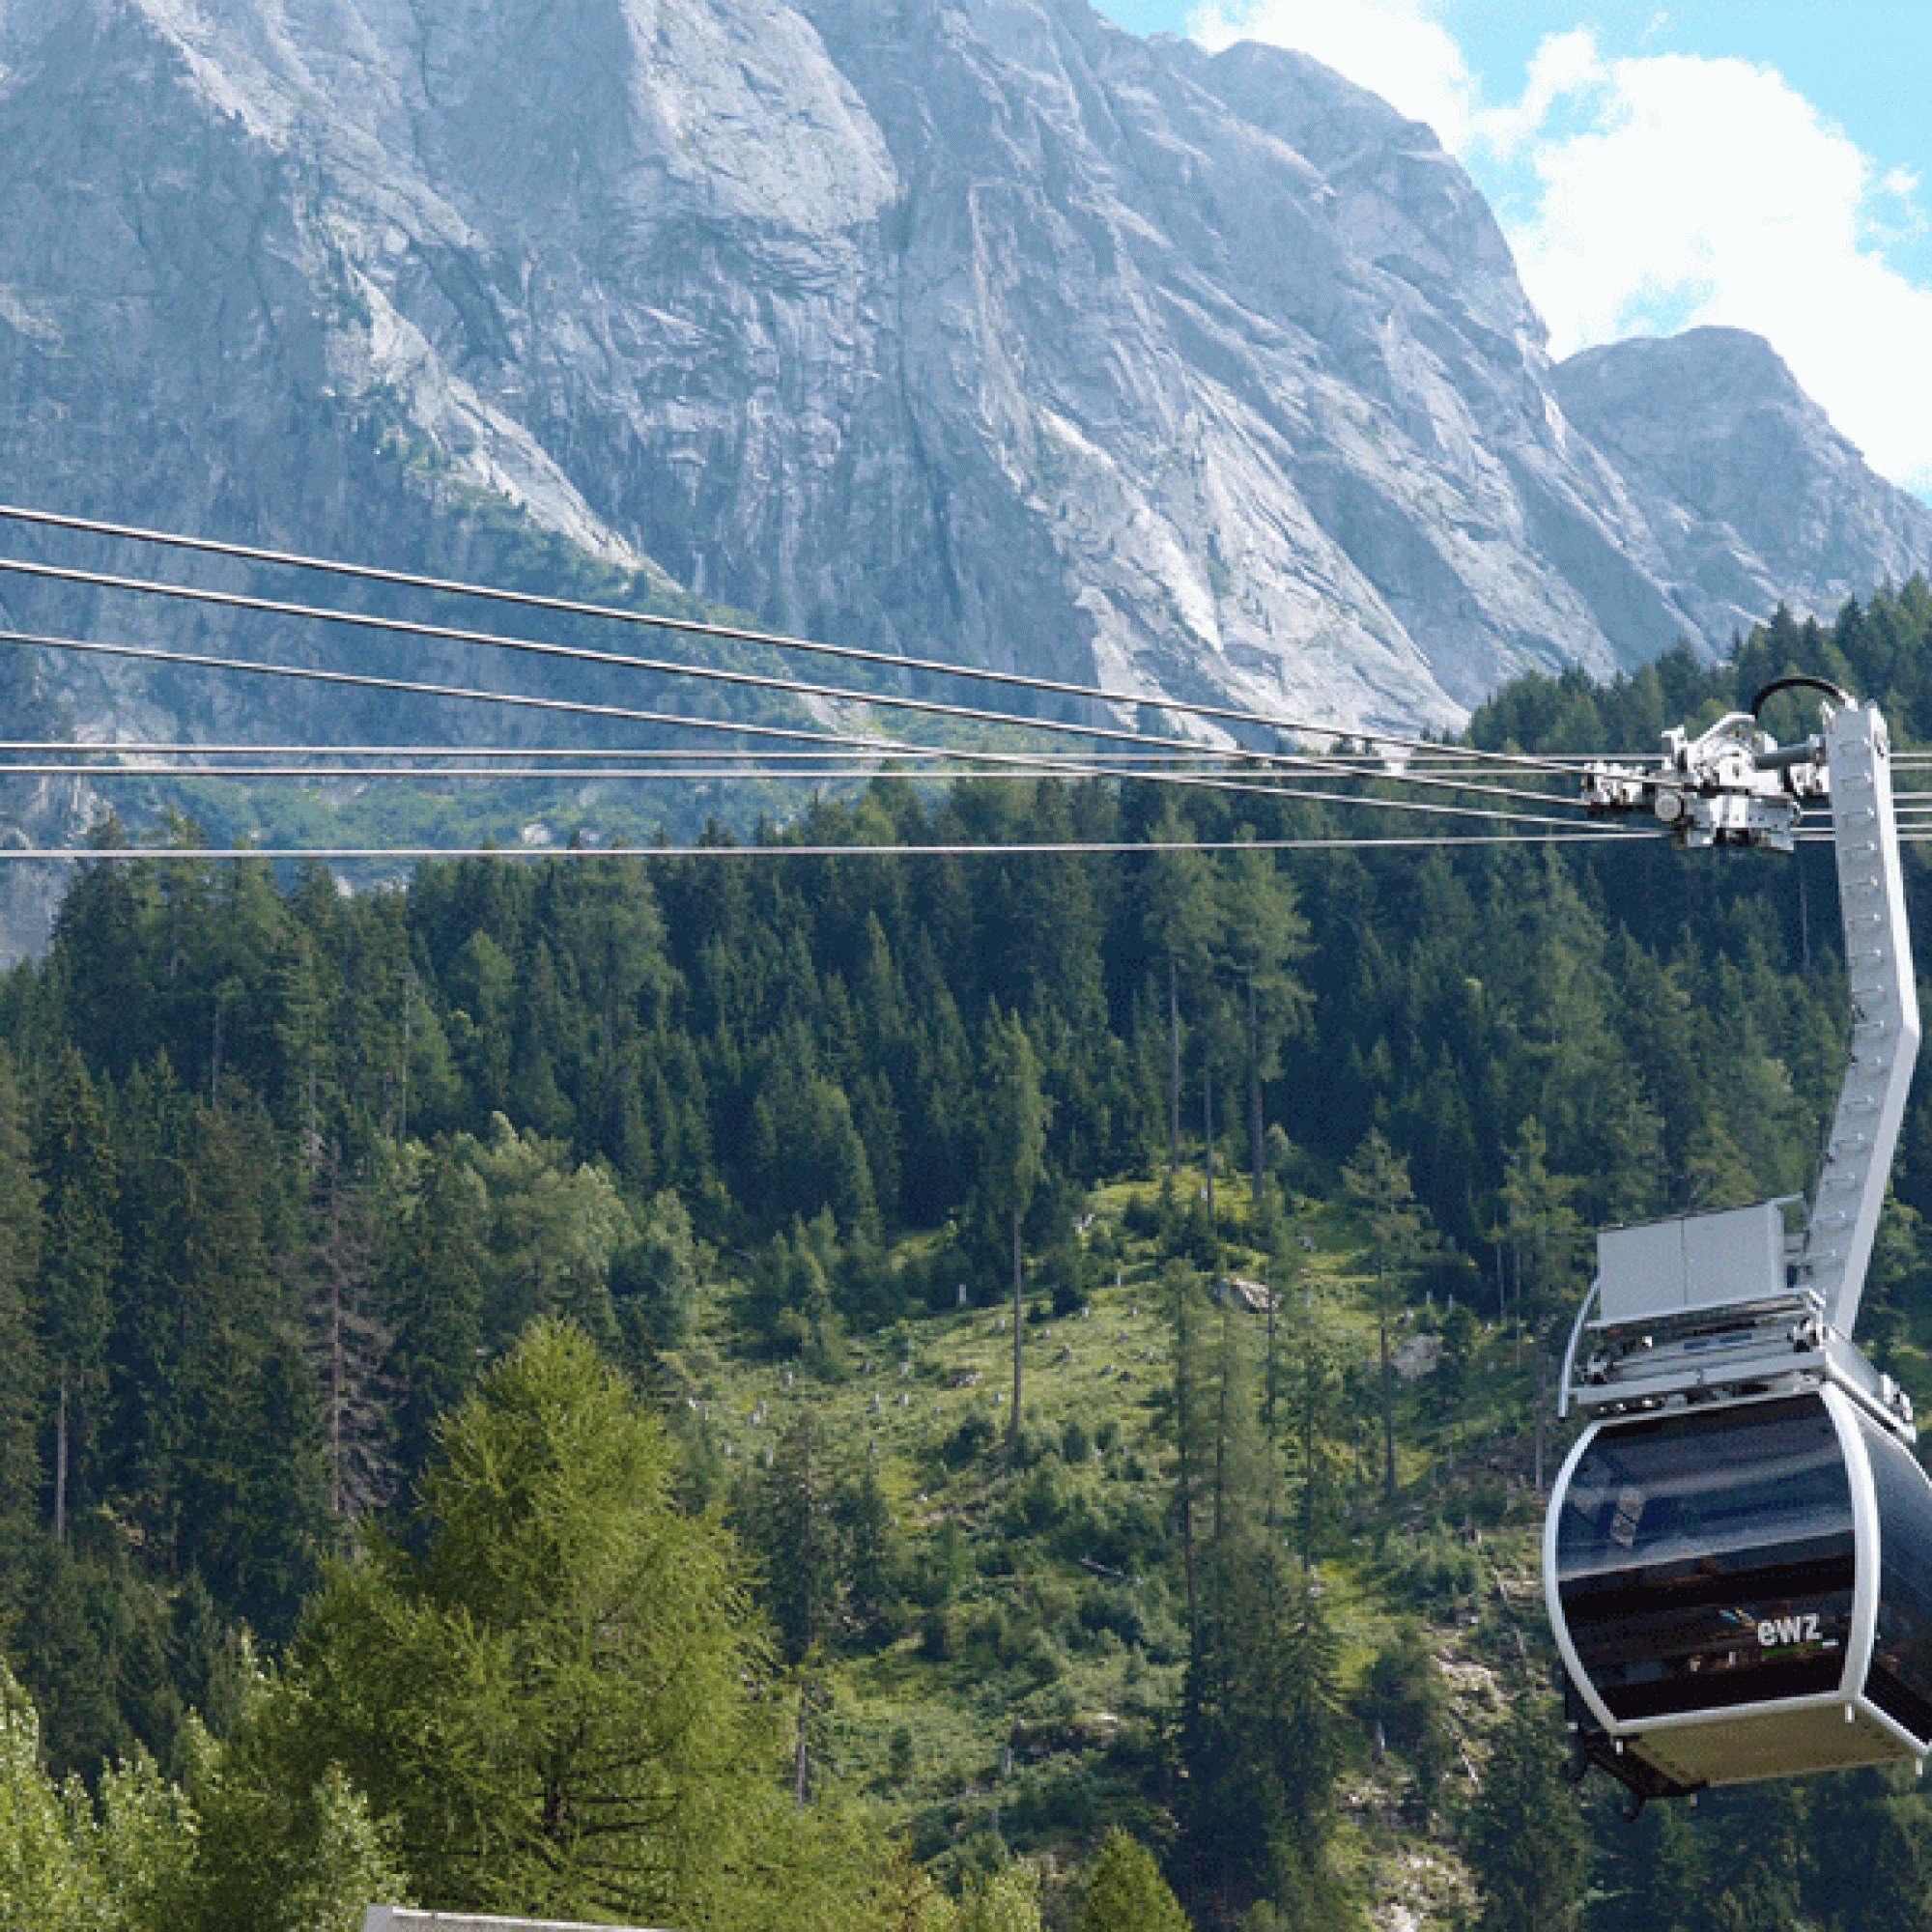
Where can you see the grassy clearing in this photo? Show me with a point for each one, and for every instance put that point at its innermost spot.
(1028, 1696)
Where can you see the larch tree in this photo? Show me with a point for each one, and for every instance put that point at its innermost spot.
(1014, 1140)
(1377, 1179)
(552, 1690)
(1264, 936)
(1178, 926)
(1548, 1240)
(348, 1343)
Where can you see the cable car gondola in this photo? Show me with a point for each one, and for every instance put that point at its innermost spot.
(1744, 1592)
(1738, 1554)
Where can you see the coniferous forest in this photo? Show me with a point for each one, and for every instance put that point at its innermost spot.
(910, 1391)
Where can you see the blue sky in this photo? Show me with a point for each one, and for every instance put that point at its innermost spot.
(1766, 166)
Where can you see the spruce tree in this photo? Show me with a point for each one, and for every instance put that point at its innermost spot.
(75, 1290)
(1525, 1836)
(1125, 1892)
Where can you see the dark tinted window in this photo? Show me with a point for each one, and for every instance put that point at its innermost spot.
(1900, 1683)
(1706, 1560)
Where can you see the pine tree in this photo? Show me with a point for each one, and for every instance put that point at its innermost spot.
(25, 1375)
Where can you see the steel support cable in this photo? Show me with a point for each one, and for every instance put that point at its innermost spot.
(362, 680)
(453, 634)
(691, 627)
(424, 772)
(1099, 848)
(458, 764)
(886, 748)
(482, 762)
(865, 755)
(862, 748)
(465, 775)
(1313, 765)
(232, 600)
(81, 748)
(481, 774)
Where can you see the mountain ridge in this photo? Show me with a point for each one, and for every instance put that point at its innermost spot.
(969, 329)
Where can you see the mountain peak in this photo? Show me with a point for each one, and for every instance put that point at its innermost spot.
(1710, 366)
(1714, 421)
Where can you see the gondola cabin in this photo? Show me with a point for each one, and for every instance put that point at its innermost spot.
(1737, 1555)
(1743, 1592)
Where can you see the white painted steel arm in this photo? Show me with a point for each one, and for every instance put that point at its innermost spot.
(1845, 1215)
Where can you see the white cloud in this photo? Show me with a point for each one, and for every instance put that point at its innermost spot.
(1707, 190)
(1564, 66)
(1649, 194)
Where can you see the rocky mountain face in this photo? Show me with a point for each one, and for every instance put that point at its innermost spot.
(966, 328)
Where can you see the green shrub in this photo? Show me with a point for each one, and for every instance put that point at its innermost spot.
(1404, 1692)
(969, 1441)
(936, 1635)
(1438, 1567)
(1111, 1607)
(1038, 1503)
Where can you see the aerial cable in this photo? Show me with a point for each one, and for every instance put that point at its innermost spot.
(860, 756)
(1072, 848)
(214, 774)
(859, 748)
(862, 753)
(578, 707)
(1313, 765)
(479, 774)
(451, 634)
(862, 747)
(778, 640)
(660, 667)
(203, 748)
(418, 688)
(462, 774)
(413, 686)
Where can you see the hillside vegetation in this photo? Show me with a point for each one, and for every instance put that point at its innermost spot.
(639, 1205)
